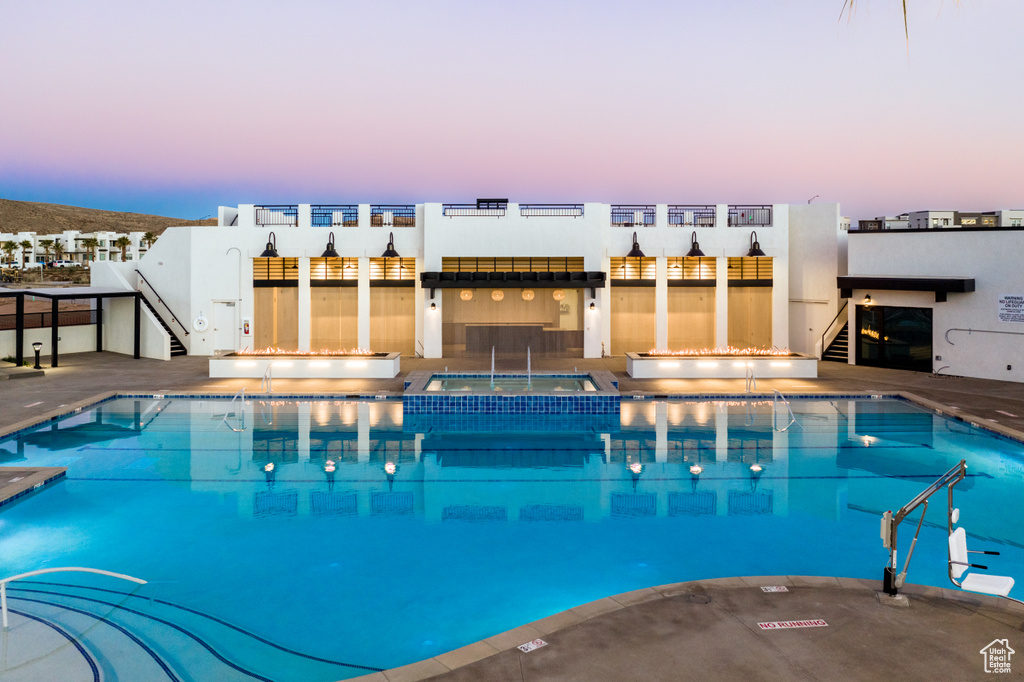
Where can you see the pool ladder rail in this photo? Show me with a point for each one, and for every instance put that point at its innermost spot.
(775, 412)
(240, 416)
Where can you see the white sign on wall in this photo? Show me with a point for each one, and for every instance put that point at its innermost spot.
(1011, 308)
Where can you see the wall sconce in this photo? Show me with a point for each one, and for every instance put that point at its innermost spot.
(867, 299)
(558, 294)
(497, 295)
(390, 251)
(528, 294)
(433, 306)
(591, 305)
(466, 294)
(271, 250)
(329, 252)
(695, 251)
(755, 247)
(635, 252)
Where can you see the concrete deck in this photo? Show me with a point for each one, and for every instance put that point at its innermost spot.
(702, 630)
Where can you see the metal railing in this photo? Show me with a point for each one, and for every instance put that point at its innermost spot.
(65, 318)
(3, 583)
(632, 216)
(403, 215)
(454, 210)
(750, 216)
(556, 210)
(162, 302)
(824, 335)
(330, 215)
(775, 412)
(277, 215)
(266, 385)
(692, 216)
(241, 420)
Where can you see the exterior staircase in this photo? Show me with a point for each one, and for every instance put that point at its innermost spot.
(177, 347)
(838, 350)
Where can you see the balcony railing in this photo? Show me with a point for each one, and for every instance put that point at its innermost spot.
(691, 216)
(557, 210)
(750, 216)
(277, 215)
(393, 216)
(324, 215)
(633, 216)
(453, 210)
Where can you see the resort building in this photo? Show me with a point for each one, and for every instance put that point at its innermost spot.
(453, 280)
(932, 220)
(81, 247)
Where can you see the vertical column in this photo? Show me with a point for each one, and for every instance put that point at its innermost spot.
(661, 432)
(721, 301)
(54, 331)
(661, 302)
(305, 318)
(303, 428)
(363, 432)
(722, 433)
(138, 326)
(304, 218)
(99, 324)
(363, 302)
(19, 329)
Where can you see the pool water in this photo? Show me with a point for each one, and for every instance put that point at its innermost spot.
(511, 383)
(424, 535)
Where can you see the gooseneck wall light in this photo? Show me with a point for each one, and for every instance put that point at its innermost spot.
(390, 251)
(271, 250)
(635, 252)
(694, 251)
(755, 247)
(329, 252)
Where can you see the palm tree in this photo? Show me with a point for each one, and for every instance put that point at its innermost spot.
(148, 239)
(848, 7)
(91, 243)
(58, 249)
(8, 249)
(47, 245)
(26, 247)
(123, 243)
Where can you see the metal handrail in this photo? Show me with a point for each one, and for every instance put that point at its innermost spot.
(842, 309)
(164, 303)
(3, 583)
(891, 582)
(266, 385)
(241, 393)
(775, 412)
(751, 379)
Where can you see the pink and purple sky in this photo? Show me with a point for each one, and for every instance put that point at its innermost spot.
(174, 108)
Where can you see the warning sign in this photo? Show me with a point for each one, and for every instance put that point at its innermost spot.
(530, 646)
(1011, 308)
(774, 588)
(790, 624)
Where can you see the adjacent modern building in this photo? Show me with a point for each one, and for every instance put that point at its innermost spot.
(934, 220)
(76, 246)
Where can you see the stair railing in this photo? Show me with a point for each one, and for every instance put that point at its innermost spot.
(162, 302)
(842, 309)
(3, 583)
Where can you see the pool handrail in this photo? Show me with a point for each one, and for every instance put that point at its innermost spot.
(241, 392)
(775, 412)
(266, 385)
(79, 569)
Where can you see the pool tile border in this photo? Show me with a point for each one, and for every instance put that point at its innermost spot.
(35, 479)
(477, 651)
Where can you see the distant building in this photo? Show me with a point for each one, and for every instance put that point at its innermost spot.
(74, 243)
(938, 220)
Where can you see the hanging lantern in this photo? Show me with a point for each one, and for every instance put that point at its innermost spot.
(558, 294)
(466, 295)
(497, 295)
(527, 294)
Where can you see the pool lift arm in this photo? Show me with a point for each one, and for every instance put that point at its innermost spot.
(891, 581)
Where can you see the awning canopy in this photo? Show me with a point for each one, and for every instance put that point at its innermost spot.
(940, 285)
(529, 280)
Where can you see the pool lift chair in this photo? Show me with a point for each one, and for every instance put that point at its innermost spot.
(958, 553)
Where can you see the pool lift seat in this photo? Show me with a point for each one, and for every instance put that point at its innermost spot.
(999, 585)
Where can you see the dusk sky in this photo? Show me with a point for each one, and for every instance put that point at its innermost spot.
(174, 108)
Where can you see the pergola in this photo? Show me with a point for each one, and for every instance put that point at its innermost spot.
(69, 293)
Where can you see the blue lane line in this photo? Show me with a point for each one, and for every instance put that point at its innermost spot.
(183, 608)
(78, 645)
(135, 639)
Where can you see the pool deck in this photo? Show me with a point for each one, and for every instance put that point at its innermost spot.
(704, 630)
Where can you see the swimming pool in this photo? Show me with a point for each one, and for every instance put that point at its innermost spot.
(317, 571)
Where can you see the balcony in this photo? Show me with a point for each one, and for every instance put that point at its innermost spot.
(399, 215)
(277, 215)
(633, 216)
(750, 216)
(483, 207)
(325, 215)
(551, 210)
(691, 216)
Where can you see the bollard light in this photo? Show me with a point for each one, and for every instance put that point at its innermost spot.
(37, 346)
